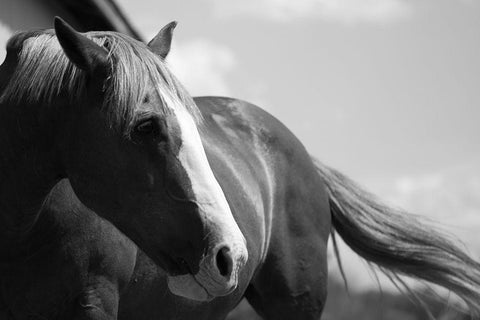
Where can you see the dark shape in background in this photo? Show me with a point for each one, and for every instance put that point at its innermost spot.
(84, 15)
(98, 15)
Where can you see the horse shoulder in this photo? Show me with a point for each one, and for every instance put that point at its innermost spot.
(93, 240)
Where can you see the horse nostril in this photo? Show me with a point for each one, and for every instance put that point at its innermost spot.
(224, 262)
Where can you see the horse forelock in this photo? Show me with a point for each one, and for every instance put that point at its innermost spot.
(43, 72)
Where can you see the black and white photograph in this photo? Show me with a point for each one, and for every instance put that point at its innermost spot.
(239, 160)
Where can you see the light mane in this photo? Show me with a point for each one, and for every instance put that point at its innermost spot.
(43, 72)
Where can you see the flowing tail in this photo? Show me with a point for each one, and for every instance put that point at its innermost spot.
(398, 242)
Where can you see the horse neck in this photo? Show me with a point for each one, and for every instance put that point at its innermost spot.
(28, 169)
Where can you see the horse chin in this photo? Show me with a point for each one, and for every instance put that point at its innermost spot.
(186, 286)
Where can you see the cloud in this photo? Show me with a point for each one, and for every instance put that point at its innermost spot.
(5, 34)
(449, 198)
(346, 11)
(203, 66)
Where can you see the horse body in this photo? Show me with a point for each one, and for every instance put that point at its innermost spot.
(269, 178)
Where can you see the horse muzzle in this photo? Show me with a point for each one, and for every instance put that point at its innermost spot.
(218, 274)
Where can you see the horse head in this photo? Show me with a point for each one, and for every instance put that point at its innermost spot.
(128, 140)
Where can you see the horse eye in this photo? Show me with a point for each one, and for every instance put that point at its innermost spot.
(145, 127)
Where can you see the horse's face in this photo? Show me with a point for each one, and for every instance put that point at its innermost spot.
(152, 179)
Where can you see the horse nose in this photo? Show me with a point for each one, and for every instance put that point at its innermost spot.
(220, 268)
(224, 261)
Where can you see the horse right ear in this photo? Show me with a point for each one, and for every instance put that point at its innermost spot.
(81, 51)
(161, 43)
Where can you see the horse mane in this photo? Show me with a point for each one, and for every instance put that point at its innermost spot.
(43, 72)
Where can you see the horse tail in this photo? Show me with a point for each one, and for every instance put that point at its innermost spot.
(397, 242)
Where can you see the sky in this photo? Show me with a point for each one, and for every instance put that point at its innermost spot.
(387, 91)
(383, 90)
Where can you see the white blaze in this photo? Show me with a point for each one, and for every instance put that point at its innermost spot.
(215, 211)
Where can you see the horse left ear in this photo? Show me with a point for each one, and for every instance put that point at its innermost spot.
(82, 52)
(161, 43)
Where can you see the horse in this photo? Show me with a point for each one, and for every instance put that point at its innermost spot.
(217, 192)
(103, 111)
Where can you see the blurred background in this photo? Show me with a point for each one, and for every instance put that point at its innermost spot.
(387, 91)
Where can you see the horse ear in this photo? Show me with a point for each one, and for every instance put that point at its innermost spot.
(82, 52)
(160, 44)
